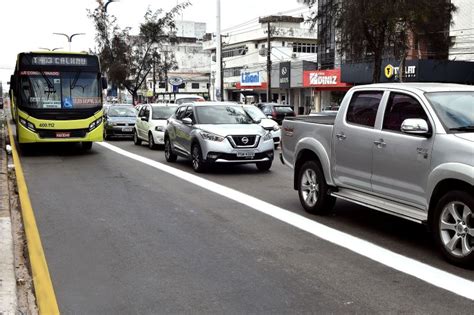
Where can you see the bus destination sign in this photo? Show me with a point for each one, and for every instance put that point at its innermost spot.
(59, 61)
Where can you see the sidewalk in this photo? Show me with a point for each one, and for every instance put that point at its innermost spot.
(8, 290)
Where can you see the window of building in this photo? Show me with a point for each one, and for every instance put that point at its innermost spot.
(182, 85)
(195, 85)
(236, 51)
(162, 85)
(307, 48)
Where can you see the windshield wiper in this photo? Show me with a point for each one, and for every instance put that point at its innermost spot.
(74, 82)
(463, 128)
(51, 89)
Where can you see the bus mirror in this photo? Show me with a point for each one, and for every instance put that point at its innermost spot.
(12, 82)
(104, 83)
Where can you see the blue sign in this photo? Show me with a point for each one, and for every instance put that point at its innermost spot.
(67, 102)
(250, 79)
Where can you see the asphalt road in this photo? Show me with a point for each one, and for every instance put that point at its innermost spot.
(123, 237)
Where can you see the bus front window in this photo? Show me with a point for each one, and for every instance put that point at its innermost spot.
(55, 90)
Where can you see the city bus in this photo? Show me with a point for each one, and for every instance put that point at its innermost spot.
(57, 97)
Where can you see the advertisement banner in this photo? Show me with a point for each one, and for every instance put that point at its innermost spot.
(285, 73)
(251, 79)
(324, 79)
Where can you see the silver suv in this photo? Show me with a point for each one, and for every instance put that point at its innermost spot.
(217, 132)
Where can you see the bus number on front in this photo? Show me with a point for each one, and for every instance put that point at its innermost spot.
(46, 125)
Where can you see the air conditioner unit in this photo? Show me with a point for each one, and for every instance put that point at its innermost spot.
(293, 55)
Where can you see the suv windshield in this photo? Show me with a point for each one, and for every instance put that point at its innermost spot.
(163, 112)
(218, 114)
(59, 90)
(455, 109)
(255, 113)
(283, 109)
(117, 111)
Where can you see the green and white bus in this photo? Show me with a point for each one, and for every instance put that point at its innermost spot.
(57, 97)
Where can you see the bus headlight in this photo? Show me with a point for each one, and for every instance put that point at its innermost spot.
(27, 124)
(95, 124)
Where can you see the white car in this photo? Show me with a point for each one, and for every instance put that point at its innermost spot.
(269, 124)
(151, 123)
(188, 98)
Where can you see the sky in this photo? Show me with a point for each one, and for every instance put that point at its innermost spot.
(27, 25)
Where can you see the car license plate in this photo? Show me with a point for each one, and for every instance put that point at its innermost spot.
(63, 134)
(127, 129)
(246, 154)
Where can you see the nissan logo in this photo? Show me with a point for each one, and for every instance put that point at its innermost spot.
(245, 140)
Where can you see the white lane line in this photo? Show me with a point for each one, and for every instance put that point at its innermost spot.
(427, 273)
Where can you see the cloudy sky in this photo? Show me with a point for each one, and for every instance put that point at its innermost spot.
(28, 24)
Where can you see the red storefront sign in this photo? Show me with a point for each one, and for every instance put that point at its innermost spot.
(324, 79)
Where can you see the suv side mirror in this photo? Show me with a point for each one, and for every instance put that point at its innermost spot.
(415, 126)
(187, 121)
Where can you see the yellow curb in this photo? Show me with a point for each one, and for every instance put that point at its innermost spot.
(44, 291)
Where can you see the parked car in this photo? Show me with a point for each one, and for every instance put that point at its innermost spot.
(404, 149)
(187, 98)
(277, 112)
(268, 124)
(119, 121)
(151, 123)
(217, 132)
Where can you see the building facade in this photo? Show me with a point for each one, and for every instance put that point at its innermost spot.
(462, 31)
(244, 60)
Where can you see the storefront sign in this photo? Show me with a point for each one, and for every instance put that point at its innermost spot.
(251, 79)
(391, 71)
(175, 81)
(323, 79)
(285, 74)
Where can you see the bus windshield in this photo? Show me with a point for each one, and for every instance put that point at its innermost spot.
(59, 90)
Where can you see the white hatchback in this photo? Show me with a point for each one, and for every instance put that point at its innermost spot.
(151, 123)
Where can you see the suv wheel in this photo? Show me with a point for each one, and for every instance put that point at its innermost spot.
(453, 227)
(136, 140)
(169, 155)
(151, 142)
(313, 190)
(264, 166)
(199, 165)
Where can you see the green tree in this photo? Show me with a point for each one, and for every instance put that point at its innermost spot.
(374, 29)
(128, 59)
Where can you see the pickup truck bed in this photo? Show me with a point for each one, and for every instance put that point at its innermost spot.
(317, 119)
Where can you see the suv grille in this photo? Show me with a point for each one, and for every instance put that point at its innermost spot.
(247, 141)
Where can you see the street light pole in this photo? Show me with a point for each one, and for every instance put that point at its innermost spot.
(44, 48)
(217, 83)
(69, 37)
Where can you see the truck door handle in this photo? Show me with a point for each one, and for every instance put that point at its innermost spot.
(341, 136)
(380, 143)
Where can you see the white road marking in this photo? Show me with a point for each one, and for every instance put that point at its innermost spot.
(422, 271)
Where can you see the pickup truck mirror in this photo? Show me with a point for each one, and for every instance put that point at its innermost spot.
(144, 118)
(415, 126)
(187, 121)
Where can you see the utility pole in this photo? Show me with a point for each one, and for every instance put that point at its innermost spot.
(218, 82)
(269, 62)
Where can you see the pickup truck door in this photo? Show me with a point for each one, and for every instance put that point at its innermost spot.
(354, 135)
(401, 162)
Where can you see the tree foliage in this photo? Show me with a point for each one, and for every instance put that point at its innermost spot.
(128, 59)
(370, 30)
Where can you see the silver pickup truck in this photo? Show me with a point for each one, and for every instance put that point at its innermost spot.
(406, 149)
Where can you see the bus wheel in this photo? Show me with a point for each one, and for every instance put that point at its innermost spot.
(86, 146)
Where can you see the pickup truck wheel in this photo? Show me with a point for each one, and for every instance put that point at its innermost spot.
(136, 140)
(169, 155)
(199, 165)
(454, 227)
(313, 190)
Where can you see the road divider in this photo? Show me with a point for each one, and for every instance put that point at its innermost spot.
(422, 271)
(44, 291)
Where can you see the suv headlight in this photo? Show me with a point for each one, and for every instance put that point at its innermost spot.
(160, 128)
(268, 136)
(276, 128)
(211, 136)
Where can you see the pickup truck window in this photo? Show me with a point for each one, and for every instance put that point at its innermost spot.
(401, 107)
(363, 108)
